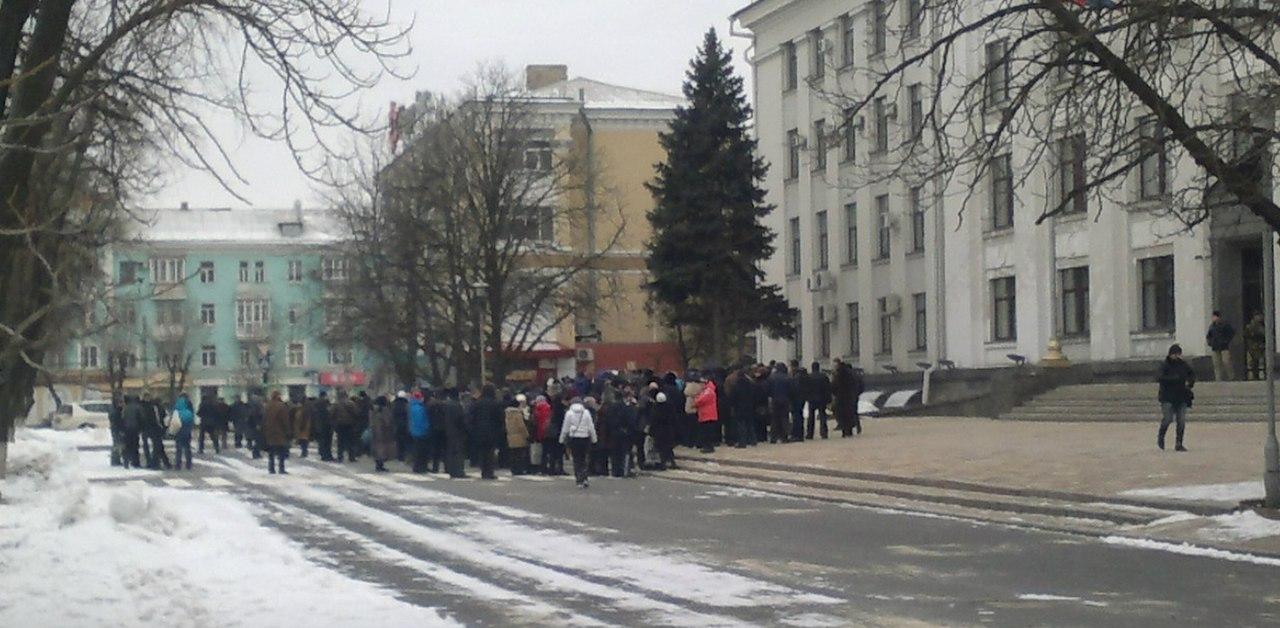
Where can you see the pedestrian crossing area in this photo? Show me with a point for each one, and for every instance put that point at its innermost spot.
(326, 480)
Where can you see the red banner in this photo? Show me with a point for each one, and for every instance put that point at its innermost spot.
(342, 379)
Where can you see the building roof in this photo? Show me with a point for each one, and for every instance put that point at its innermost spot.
(210, 226)
(594, 94)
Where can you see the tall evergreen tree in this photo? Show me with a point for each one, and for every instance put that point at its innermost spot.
(708, 241)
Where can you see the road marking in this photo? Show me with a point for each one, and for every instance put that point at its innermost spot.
(136, 483)
(535, 478)
(177, 483)
(417, 478)
(218, 482)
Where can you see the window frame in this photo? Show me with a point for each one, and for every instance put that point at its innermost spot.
(1151, 138)
(920, 305)
(209, 356)
(208, 314)
(848, 40)
(915, 109)
(244, 271)
(878, 19)
(820, 146)
(884, 235)
(1073, 302)
(790, 67)
(913, 14)
(854, 327)
(851, 233)
(1161, 291)
(915, 196)
(207, 272)
(849, 138)
(880, 117)
(89, 357)
(884, 344)
(1071, 155)
(823, 230)
(793, 154)
(1004, 292)
(294, 272)
(996, 88)
(1001, 189)
(817, 64)
(289, 355)
(793, 226)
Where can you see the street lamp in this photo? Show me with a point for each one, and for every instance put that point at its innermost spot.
(478, 293)
(1271, 450)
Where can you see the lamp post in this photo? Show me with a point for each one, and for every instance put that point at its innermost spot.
(478, 293)
(1271, 450)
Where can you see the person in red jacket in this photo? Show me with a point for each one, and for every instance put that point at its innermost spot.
(708, 416)
(541, 426)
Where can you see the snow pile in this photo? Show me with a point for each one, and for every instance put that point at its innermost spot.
(1241, 526)
(1233, 492)
(72, 553)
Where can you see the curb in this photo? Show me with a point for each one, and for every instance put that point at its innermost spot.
(1197, 508)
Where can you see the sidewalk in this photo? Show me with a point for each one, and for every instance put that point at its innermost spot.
(1112, 463)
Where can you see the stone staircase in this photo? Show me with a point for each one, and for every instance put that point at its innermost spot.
(1215, 401)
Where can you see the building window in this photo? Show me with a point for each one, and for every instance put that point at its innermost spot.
(1003, 309)
(206, 272)
(1074, 284)
(915, 111)
(879, 27)
(914, 16)
(790, 69)
(128, 272)
(823, 246)
(244, 272)
(880, 111)
(168, 312)
(245, 359)
(259, 272)
(207, 314)
(922, 327)
(333, 269)
(849, 148)
(128, 314)
(883, 246)
(293, 314)
(795, 246)
(820, 145)
(1001, 192)
(167, 269)
(851, 233)
(916, 196)
(537, 156)
(996, 90)
(855, 331)
(1157, 293)
(534, 224)
(208, 355)
(296, 355)
(825, 326)
(340, 356)
(88, 357)
(848, 43)
(252, 316)
(1153, 170)
(793, 154)
(797, 346)
(295, 270)
(817, 59)
(1071, 182)
(886, 327)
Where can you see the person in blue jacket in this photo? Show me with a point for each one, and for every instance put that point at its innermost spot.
(419, 428)
(186, 423)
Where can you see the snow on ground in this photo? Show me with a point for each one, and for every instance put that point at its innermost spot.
(1233, 492)
(1187, 549)
(1241, 526)
(74, 553)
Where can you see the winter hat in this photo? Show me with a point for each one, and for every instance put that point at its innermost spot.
(1176, 349)
(521, 398)
(402, 395)
(661, 398)
(417, 394)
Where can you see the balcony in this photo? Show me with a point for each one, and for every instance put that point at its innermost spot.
(253, 331)
(168, 331)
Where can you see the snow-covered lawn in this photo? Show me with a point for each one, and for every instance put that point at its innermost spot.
(76, 554)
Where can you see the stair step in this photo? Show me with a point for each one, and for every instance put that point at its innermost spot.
(1152, 416)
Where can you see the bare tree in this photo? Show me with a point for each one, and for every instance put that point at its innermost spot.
(486, 225)
(95, 96)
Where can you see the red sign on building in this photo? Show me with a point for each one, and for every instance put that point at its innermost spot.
(342, 379)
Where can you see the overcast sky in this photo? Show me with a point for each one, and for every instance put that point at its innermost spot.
(637, 43)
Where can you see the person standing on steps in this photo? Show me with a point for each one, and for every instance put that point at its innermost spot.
(1219, 338)
(708, 416)
(1255, 348)
(579, 433)
(277, 431)
(186, 424)
(819, 399)
(1176, 381)
(780, 393)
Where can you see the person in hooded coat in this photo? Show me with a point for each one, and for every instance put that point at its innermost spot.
(708, 407)
(420, 430)
(186, 424)
(383, 425)
(277, 431)
(578, 433)
(846, 387)
(1176, 380)
(452, 418)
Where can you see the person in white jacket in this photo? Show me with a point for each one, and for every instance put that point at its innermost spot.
(579, 433)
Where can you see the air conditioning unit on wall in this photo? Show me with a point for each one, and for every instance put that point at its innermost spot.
(585, 354)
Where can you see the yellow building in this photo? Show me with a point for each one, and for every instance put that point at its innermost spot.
(617, 129)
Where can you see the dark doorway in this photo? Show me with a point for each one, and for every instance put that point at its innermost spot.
(297, 393)
(1250, 283)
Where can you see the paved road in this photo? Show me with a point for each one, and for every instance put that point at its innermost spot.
(650, 551)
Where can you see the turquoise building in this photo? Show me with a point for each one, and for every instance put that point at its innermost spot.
(243, 300)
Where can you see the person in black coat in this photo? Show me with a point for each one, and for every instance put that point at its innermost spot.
(667, 411)
(1176, 380)
(451, 417)
(802, 391)
(742, 406)
(486, 423)
(133, 417)
(322, 427)
(153, 431)
(780, 396)
(208, 413)
(239, 420)
(819, 399)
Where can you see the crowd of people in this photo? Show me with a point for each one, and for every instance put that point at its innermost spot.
(611, 424)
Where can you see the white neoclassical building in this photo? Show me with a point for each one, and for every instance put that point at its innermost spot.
(891, 271)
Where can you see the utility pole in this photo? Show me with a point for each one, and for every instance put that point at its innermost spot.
(1271, 451)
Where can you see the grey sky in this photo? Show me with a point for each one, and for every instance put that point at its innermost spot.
(638, 43)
